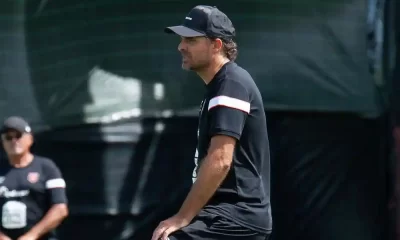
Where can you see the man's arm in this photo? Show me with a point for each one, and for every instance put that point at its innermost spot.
(227, 112)
(51, 220)
(56, 189)
(4, 237)
(212, 172)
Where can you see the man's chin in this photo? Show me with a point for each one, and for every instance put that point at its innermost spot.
(186, 67)
(191, 67)
(16, 153)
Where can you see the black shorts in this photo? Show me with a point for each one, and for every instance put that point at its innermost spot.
(214, 227)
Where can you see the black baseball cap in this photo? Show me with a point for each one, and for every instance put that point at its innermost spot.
(207, 21)
(16, 123)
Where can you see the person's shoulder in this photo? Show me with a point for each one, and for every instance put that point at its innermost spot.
(44, 161)
(234, 81)
(235, 74)
(235, 70)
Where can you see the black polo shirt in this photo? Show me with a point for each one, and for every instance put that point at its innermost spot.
(26, 194)
(233, 106)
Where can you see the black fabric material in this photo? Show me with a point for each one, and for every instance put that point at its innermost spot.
(25, 193)
(214, 227)
(328, 176)
(15, 123)
(305, 55)
(208, 20)
(124, 178)
(233, 107)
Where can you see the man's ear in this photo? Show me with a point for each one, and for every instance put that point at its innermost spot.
(218, 45)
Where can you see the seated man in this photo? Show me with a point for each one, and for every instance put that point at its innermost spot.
(32, 191)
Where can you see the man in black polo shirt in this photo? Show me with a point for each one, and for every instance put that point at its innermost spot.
(32, 191)
(229, 198)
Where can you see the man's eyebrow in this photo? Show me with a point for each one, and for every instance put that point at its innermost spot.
(189, 38)
(194, 38)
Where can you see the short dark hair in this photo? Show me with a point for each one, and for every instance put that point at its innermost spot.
(230, 49)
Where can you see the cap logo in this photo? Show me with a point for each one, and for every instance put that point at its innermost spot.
(188, 18)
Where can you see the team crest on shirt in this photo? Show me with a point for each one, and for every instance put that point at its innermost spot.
(33, 177)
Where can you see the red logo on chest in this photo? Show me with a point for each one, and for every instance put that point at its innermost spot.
(33, 177)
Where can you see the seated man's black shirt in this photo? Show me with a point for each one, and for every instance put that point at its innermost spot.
(26, 194)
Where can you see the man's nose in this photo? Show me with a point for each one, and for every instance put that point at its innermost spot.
(181, 46)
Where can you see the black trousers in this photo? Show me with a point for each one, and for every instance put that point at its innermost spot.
(213, 227)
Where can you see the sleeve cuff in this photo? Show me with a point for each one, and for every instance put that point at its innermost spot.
(224, 132)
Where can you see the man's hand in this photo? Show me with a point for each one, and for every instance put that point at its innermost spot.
(28, 237)
(166, 227)
(4, 237)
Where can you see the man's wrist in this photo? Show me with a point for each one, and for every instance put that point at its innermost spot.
(2, 236)
(185, 215)
(34, 232)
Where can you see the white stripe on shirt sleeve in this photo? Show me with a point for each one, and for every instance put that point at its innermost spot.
(229, 102)
(55, 183)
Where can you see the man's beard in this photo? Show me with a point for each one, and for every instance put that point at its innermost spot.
(199, 67)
